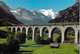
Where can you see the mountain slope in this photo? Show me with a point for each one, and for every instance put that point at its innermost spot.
(29, 17)
(50, 13)
(6, 17)
(70, 14)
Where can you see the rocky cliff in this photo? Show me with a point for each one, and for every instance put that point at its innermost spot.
(6, 17)
(71, 14)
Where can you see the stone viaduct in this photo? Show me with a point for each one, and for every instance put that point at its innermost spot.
(50, 26)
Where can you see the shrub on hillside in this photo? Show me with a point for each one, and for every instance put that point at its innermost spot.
(49, 40)
(3, 34)
(11, 46)
(58, 40)
(21, 36)
(39, 40)
(3, 49)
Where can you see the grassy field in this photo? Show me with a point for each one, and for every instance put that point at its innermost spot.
(64, 49)
(28, 42)
(4, 28)
(3, 40)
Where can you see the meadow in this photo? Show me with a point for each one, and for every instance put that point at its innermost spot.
(63, 49)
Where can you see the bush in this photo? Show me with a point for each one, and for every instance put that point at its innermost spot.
(21, 37)
(3, 34)
(39, 40)
(58, 40)
(11, 46)
(12, 41)
(49, 40)
(3, 49)
(10, 37)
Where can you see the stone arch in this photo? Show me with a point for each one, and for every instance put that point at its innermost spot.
(30, 32)
(24, 30)
(37, 32)
(69, 35)
(14, 30)
(9, 29)
(18, 29)
(56, 34)
(45, 33)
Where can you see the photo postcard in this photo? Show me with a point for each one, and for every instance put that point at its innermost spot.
(39, 26)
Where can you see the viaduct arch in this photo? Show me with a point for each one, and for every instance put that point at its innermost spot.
(56, 30)
(37, 31)
(51, 27)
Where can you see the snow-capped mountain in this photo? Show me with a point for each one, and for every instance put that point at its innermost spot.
(29, 17)
(50, 13)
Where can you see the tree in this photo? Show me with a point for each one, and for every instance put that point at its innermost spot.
(58, 40)
(11, 46)
(38, 39)
(21, 36)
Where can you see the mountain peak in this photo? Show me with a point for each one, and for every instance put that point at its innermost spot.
(1, 3)
(5, 7)
(33, 11)
(51, 9)
(19, 8)
(50, 13)
(77, 1)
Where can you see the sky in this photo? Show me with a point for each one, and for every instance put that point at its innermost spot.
(56, 5)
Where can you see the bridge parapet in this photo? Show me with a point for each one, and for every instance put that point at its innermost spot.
(52, 24)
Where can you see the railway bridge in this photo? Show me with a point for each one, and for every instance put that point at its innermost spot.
(63, 27)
